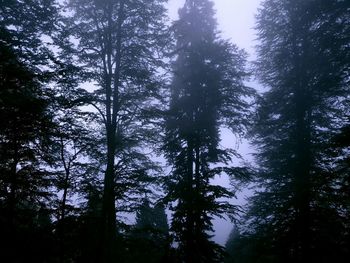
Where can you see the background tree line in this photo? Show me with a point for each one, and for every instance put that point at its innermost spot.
(93, 92)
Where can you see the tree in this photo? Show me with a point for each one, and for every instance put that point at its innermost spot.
(73, 143)
(118, 46)
(232, 246)
(24, 127)
(207, 92)
(247, 249)
(149, 239)
(301, 61)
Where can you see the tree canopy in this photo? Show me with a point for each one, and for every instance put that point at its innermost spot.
(112, 120)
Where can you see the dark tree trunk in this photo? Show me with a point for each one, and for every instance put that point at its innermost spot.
(303, 106)
(303, 156)
(12, 205)
(302, 185)
(62, 209)
(109, 210)
(189, 248)
(112, 108)
(198, 227)
(12, 196)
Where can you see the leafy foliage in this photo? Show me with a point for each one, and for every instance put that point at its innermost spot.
(117, 44)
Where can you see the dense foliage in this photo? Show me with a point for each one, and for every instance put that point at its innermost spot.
(298, 213)
(207, 92)
(111, 122)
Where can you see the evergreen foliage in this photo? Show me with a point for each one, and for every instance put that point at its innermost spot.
(25, 125)
(149, 240)
(296, 213)
(207, 92)
(95, 93)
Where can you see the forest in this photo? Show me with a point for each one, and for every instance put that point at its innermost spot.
(111, 120)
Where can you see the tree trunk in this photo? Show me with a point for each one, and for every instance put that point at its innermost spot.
(63, 215)
(109, 210)
(197, 212)
(303, 163)
(302, 187)
(112, 108)
(12, 203)
(302, 178)
(189, 249)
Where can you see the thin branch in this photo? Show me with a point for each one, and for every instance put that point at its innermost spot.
(99, 111)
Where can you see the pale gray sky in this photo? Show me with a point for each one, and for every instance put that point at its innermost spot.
(236, 20)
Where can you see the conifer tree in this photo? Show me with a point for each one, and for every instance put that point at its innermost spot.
(149, 239)
(301, 61)
(25, 125)
(207, 92)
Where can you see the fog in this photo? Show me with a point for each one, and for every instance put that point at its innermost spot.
(236, 22)
(126, 138)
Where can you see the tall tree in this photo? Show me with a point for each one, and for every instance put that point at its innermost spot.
(119, 43)
(207, 92)
(301, 61)
(24, 126)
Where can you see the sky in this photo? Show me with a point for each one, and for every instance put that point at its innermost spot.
(236, 21)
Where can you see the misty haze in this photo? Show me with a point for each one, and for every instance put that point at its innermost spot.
(175, 131)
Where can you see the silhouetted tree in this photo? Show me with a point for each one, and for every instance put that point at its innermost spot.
(74, 167)
(149, 239)
(232, 246)
(25, 124)
(207, 92)
(340, 152)
(119, 43)
(248, 249)
(301, 61)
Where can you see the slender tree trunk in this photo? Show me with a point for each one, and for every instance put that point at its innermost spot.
(64, 196)
(303, 164)
(198, 227)
(197, 167)
(112, 108)
(12, 196)
(12, 202)
(302, 188)
(13, 187)
(189, 249)
(62, 210)
(109, 210)
(63, 216)
(66, 167)
(302, 178)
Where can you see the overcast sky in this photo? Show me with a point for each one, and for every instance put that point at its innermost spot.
(236, 20)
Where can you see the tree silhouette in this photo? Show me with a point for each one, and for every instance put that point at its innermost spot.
(300, 61)
(149, 240)
(207, 92)
(25, 125)
(119, 44)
